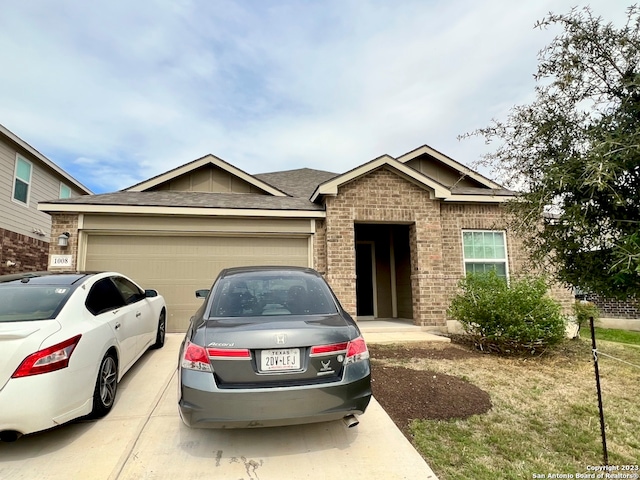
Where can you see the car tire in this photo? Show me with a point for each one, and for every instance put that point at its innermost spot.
(104, 394)
(162, 328)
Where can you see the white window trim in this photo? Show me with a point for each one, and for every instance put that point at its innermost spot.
(62, 184)
(485, 260)
(15, 177)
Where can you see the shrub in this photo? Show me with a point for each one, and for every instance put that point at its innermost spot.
(506, 318)
(583, 310)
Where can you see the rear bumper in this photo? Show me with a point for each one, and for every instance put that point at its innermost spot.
(39, 402)
(203, 405)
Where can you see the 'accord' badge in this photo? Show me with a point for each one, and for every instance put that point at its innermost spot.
(281, 338)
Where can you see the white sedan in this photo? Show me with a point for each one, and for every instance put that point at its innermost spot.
(66, 340)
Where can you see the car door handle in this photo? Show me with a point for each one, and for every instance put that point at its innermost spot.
(138, 314)
(117, 325)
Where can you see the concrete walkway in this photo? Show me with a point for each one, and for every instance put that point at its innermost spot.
(396, 331)
(144, 438)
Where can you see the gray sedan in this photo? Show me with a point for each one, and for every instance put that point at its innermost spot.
(272, 346)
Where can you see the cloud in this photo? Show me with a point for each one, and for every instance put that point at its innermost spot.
(117, 92)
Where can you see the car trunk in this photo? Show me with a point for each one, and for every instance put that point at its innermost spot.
(257, 352)
(19, 340)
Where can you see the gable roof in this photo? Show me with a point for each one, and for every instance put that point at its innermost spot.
(290, 193)
(330, 187)
(450, 162)
(492, 192)
(199, 163)
(48, 163)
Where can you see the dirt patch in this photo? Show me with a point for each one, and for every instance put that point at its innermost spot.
(407, 394)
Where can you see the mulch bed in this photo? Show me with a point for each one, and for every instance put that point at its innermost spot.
(407, 394)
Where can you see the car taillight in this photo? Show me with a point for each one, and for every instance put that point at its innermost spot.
(332, 348)
(195, 358)
(356, 351)
(48, 359)
(229, 353)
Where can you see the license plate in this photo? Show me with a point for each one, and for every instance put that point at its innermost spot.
(280, 360)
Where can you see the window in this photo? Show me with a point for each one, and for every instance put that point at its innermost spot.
(23, 302)
(22, 180)
(267, 293)
(103, 297)
(484, 251)
(129, 291)
(65, 192)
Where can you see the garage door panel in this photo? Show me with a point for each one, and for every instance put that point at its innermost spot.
(178, 266)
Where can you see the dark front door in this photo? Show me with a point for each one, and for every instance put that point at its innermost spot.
(364, 279)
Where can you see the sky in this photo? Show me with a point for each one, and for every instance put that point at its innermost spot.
(116, 92)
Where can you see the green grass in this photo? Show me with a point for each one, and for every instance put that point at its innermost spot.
(620, 336)
(544, 418)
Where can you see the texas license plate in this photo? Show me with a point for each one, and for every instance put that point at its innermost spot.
(280, 360)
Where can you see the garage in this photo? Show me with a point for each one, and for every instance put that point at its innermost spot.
(174, 232)
(177, 265)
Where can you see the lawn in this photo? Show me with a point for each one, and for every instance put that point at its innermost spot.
(544, 419)
(620, 336)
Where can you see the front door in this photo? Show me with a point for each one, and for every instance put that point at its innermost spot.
(365, 279)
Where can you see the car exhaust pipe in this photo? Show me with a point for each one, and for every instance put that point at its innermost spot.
(9, 436)
(351, 421)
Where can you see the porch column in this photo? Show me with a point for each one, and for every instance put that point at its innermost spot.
(341, 258)
(427, 274)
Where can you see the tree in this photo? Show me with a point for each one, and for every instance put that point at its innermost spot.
(574, 154)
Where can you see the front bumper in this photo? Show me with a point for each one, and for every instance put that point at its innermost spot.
(203, 405)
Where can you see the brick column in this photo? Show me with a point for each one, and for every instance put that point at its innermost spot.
(341, 255)
(64, 223)
(427, 278)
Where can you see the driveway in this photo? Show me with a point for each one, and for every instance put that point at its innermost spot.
(144, 438)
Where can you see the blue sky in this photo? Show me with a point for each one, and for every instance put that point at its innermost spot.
(116, 92)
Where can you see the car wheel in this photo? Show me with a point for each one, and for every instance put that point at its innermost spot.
(106, 386)
(162, 327)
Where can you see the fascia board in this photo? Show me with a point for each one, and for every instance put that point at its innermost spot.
(197, 211)
(478, 198)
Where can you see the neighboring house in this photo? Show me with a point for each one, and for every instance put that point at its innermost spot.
(392, 236)
(26, 178)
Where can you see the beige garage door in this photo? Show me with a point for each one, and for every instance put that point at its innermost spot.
(179, 265)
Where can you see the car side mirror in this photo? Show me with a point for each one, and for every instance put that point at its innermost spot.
(150, 293)
(202, 293)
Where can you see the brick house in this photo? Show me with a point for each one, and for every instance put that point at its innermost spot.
(26, 178)
(392, 236)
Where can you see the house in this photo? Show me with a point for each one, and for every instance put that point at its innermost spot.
(392, 236)
(26, 178)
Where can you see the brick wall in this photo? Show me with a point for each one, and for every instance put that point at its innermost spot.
(458, 217)
(29, 254)
(65, 223)
(320, 247)
(383, 196)
(435, 240)
(610, 308)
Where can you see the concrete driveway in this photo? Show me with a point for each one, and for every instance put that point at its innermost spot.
(144, 438)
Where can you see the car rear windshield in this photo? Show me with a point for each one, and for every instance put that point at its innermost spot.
(22, 303)
(267, 294)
